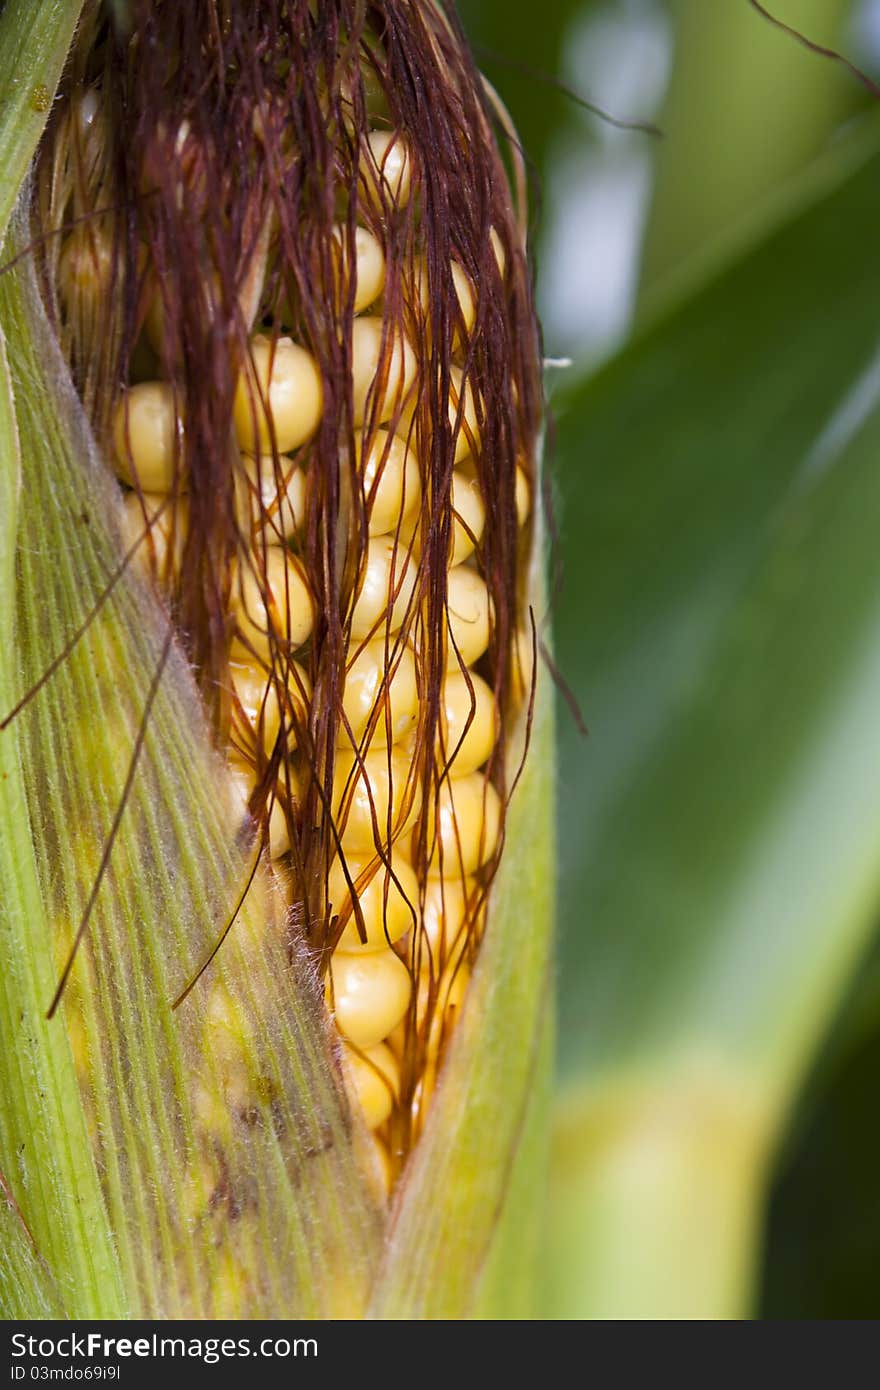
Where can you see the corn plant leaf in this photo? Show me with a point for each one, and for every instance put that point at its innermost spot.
(233, 1172)
(508, 1286)
(472, 1183)
(28, 1288)
(748, 109)
(721, 836)
(45, 1150)
(35, 36)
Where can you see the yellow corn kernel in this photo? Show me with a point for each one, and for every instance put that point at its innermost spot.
(85, 266)
(271, 497)
(386, 588)
(157, 525)
(470, 723)
(375, 1080)
(369, 266)
(386, 170)
(290, 695)
(462, 397)
(271, 598)
(468, 820)
(466, 430)
(279, 397)
(468, 516)
(388, 901)
(470, 616)
(259, 718)
(446, 998)
(498, 252)
(523, 664)
(449, 902)
(523, 495)
(418, 286)
(373, 799)
(391, 484)
(382, 692)
(369, 994)
(242, 777)
(148, 437)
(383, 369)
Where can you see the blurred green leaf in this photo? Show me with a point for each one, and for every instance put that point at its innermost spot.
(721, 835)
(748, 108)
(522, 58)
(34, 38)
(823, 1229)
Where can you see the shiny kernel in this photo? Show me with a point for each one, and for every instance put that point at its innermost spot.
(469, 516)
(466, 430)
(292, 694)
(369, 266)
(158, 526)
(259, 718)
(148, 437)
(381, 691)
(392, 488)
(386, 170)
(469, 611)
(85, 267)
(523, 664)
(464, 294)
(375, 1079)
(468, 824)
(383, 789)
(279, 393)
(468, 438)
(242, 777)
(271, 497)
(523, 495)
(448, 901)
(272, 599)
(386, 587)
(383, 369)
(448, 1001)
(469, 723)
(498, 252)
(369, 994)
(388, 900)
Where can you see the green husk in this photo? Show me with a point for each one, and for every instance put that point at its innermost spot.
(28, 1288)
(728, 836)
(35, 37)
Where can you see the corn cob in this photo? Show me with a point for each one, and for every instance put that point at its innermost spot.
(309, 351)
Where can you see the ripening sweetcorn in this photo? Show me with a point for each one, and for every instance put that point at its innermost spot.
(315, 377)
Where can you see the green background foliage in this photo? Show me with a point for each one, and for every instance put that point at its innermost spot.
(719, 624)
